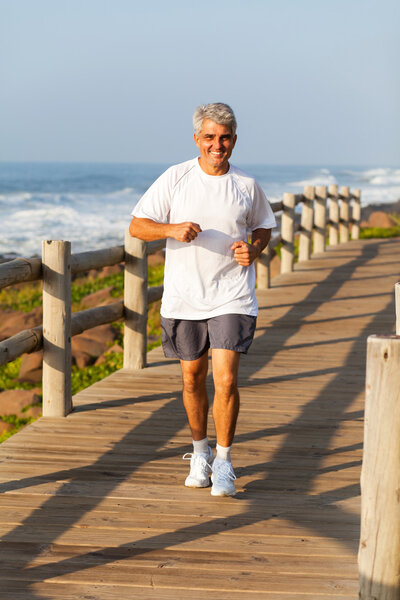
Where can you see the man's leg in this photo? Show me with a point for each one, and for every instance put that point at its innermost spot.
(195, 400)
(225, 412)
(225, 364)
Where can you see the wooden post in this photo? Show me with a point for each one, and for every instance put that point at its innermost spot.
(356, 215)
(263, 270)
(307, 221)
(397, 296)
(333, 215)
(56, 261)
(320, 220)
(135, 302)
(379, 551)
(287, 232)
(344, 214)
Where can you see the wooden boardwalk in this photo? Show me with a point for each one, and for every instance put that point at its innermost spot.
(93, 506)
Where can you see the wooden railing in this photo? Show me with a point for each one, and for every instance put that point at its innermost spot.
(57, 267)
(379, 551)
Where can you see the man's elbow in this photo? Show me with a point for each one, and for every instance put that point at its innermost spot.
(133, 228)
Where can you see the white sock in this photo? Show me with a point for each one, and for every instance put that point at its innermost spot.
(224, 453)
(201, 446)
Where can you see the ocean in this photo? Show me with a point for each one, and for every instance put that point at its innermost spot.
(90, 204)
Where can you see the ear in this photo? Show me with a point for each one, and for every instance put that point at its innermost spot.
(234, 140)
(196, 140)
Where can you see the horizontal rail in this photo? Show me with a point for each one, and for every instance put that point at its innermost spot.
(26, 341)
(96, 259)
(31, 340)
(153, 247)
(277, 206)
(20, 270)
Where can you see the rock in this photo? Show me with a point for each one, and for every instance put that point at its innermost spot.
(99, 298)
(111, 270)
(82, 359)
(13, 401)
(156, 259)
(380, 219)
(115, 348)
(31, 368)
(90, 344)
(12, 322)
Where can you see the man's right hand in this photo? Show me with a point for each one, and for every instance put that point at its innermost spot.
(184, 232)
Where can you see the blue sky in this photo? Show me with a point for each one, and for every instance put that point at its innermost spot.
(311, 81)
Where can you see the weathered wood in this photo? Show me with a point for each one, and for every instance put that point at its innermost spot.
(56, 261)
(276, 206)
(29, 340)
(153, 247)
(263, 272)
(307, 222)
(379, 552)
(356, 215)
(135, 301)
(320, 219)
(287, 228)
(333, 215)
(20, 269)
(154, 293)
(344, 221)
(96, 259)
(397, 301)
(93, 317)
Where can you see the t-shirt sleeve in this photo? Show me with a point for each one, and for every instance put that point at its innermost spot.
(261, 215)
(155, 203)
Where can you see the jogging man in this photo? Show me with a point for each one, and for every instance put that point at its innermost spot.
(207, 208)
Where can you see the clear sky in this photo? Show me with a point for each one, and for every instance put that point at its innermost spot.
(311, 81)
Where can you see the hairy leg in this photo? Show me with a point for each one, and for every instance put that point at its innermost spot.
(195, 399)
(225, 364)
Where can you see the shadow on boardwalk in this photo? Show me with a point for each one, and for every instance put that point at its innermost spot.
(271, 480)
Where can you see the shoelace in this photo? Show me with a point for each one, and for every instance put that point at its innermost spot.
(197, 457)
(224, 469)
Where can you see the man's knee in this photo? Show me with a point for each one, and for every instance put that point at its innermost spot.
(193, 379)
(226, 383)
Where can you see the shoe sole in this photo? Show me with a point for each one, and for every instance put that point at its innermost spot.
(196, 485)
(222, 494)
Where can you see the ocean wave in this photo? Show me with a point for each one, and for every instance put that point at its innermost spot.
(323, 179)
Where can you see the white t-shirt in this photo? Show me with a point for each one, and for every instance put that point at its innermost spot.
(202, 279)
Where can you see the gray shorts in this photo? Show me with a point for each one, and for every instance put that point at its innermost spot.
(188, 340)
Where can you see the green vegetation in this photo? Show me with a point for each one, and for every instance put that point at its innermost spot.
(379, 232)
(22, 297)
(16, 424)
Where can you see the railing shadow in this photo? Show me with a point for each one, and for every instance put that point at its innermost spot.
(300, 480)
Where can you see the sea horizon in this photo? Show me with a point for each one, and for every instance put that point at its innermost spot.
(89, 203)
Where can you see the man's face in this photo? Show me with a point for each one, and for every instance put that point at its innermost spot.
(216, 143)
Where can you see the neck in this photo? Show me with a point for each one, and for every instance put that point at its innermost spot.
(213, 170)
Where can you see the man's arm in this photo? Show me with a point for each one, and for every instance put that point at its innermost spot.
(149, 230)
(244, 253)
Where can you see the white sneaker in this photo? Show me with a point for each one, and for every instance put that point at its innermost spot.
(222, 478)
(200, 468)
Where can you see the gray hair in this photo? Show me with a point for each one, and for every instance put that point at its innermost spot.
(220, 113)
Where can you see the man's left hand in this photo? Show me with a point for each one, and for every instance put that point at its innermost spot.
(244, 253)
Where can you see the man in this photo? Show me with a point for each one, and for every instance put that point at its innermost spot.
(206, 208)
